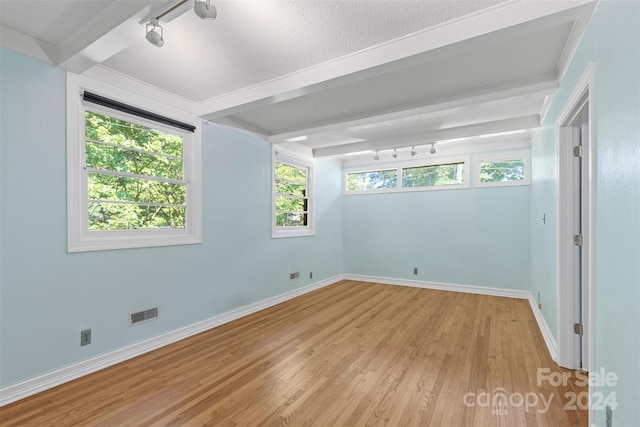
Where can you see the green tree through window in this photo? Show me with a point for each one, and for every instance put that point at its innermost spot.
(291, 196)
(135, 177)
(433, 175)
(373, 180)
(507, 170)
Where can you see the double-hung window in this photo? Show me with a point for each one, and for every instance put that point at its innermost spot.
(292, 196)
(133, 181)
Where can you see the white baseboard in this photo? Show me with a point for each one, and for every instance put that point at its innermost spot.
(469, 289)
(552, 346)
(52, 379)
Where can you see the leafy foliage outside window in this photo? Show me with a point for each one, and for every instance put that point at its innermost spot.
(418, 176)
(135, 175)
(433, 175)
(372, 180)
(292, 201)
(502, 171)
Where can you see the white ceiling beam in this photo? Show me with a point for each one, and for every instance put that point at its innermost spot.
(244, 126)
(114, 29)
(524, 122)
(384, 57)
(542, 85)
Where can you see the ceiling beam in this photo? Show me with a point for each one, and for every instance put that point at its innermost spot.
(114, 29)
(542, 85)
(524, 122)
(479, 28)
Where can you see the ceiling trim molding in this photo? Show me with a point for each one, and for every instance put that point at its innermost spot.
(545, 84)
(380, 58)
(27, 45)
(244, 127)
(121, 81)
(577, 31)
(524, 122)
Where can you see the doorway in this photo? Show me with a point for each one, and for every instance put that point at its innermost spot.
(575, 149)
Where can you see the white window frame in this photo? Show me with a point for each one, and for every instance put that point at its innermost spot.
(296, 160)
(409, 164)
(79, 237)
(500, 157)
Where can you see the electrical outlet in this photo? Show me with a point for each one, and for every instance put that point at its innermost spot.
(85, 337)
(415, 271)
(609, 416)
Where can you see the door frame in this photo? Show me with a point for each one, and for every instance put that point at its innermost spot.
(568, 342)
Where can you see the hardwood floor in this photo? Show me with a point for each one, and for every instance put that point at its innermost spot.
(349, 354)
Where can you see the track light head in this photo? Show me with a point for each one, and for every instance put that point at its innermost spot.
(394, 154)
(376, 156)
(434, 149)
(155, 33)
(413, 151)
(204, 9)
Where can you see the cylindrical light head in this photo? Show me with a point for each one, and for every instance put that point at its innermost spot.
(205, 10)
(413, 151)
(394, 154)
(434, 149)
(376, 156)
(153, 36)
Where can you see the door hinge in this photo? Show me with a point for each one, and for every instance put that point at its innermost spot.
(577, 329)
(578, 151)
(578, 240)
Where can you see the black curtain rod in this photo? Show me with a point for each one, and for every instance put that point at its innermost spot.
(110, 103)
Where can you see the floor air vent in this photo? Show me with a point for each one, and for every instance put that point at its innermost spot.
(143, 316)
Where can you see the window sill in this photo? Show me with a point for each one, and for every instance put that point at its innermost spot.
(280, 234)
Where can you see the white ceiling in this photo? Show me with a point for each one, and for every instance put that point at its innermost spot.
(338, 76)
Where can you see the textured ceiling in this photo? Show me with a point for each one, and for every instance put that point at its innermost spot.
(254, 41)
(490, 65)
(49, 21)
(339, 76)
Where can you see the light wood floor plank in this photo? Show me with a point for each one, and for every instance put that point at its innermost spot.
(350, 354)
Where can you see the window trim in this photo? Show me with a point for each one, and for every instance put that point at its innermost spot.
(296, 160)
(79, 237)
(499, 157)
(399, 166)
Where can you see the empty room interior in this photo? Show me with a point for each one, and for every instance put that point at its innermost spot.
(329, 213)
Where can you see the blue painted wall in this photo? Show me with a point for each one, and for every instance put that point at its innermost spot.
(543, 233)
(48, 296)
(612, 42)
(476, 236)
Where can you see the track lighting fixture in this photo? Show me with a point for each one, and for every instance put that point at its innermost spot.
(434, 149)
(376, 156)
(413, 151)
(204, 9)
(394, 154)
(155, 33)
